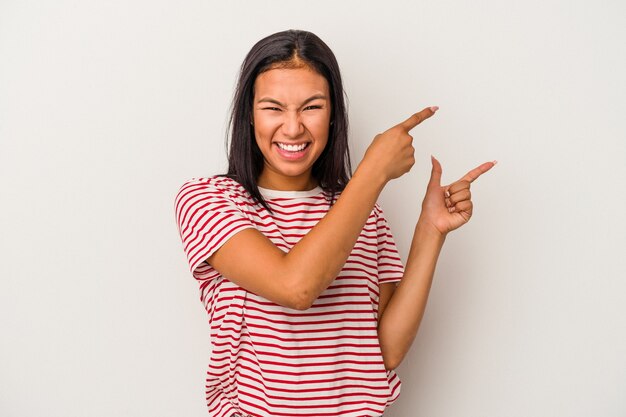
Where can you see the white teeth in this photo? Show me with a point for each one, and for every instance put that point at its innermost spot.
(291, 148)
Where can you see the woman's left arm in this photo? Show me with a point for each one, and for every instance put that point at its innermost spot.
(401, 308)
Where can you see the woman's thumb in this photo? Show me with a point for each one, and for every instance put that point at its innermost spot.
(435, 174)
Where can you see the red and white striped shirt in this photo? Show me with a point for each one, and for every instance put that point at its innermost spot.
(269, 360)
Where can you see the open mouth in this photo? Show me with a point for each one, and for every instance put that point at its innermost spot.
(292, 152)
(293, 148)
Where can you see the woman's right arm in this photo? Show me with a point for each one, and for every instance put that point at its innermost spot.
(295, 279)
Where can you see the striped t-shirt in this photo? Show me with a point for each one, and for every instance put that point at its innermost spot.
(269, 360)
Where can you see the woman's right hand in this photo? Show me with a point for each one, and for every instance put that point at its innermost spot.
(391, 153)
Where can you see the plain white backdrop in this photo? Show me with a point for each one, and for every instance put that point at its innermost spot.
(107, 107)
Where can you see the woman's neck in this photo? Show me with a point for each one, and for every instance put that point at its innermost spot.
(273, 181)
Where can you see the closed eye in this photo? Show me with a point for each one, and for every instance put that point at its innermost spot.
(314, 107)
(271, 108)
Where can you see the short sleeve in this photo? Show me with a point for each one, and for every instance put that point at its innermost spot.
(390, 268)
(208, 213)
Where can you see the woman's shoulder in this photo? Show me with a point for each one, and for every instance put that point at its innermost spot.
(221, 182)
(216, 185)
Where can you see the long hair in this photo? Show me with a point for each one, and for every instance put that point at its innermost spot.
(288, 49)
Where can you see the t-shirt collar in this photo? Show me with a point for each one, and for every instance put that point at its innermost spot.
(267, 193)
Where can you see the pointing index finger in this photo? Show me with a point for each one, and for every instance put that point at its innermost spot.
(418, 118)
(478, 171)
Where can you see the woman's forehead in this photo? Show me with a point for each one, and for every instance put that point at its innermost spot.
(295, 83)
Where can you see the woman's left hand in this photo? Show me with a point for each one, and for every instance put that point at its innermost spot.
(447, 208)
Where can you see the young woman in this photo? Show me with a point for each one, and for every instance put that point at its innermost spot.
(297, 268)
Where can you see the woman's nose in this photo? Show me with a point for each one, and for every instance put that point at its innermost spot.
(292, 125)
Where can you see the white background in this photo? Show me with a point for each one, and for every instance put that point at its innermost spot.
(107, 107)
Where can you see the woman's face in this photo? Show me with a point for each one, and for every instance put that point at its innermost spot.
(291, 121)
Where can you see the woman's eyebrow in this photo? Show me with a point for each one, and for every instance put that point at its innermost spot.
(270, 100)
(315, 97)
(274, 101)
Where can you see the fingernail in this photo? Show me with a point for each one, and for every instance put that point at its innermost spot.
(434, 108)
(447, 193)
(495, 162)
(451, 209)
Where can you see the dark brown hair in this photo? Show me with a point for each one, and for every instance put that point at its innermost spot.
(291, 48)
